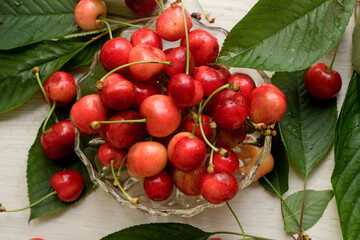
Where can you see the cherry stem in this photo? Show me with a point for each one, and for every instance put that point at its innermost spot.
(132, 200)
(302, 209)
(48, 117)
(36, 71)
(207, 16)
(106, 20)
(96, 124)
(211, 167)
(100, 20)
(333, 59)
(261, 128)
(240, 234)
(33, 204)
(121, 165)
(130, 64)
(187, 39)
(237, 219)
(160, 4)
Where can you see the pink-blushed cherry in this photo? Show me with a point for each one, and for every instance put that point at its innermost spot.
(210, 79)
(267, 104)
(141, 7)
(146, 36)
(246, 83)
(146, 159)
(188, 182)
(115, 53)
(144, 52)
(229, 139)
(321, 82)
(158, 187)
(87, 12)
(170, 24)
(218, 187)
(203, 46)
(142, 91)
(228, 164)
(230, 109)
(116, 92)
(68, 184)
(58, 140)
(123, 135)
(88, 109)
(60, 87)
(174, 140)
(106, 153)
(177, 57)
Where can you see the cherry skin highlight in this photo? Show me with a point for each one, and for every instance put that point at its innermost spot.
(59, 142)
(87, 12)
(68, 184)
(146, 36)
(158, 187)
(321, 83)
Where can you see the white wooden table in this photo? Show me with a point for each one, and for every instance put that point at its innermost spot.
(98, 214)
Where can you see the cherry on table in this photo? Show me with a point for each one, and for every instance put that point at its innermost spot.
(68, 184)
(87, 12)
(158, 187)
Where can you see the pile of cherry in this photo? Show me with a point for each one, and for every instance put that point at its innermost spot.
(160, 112)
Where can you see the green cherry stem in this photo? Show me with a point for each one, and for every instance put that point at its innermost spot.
(207, 16)
(97, 124)
(98, 21)
(2, 209)
(333, 59)
(47, 118)
(302, 208)
(240, 234)
(119, 22)
(121, 165)
(187, 39)
(237, 219)
(131, 199)
(160, 5)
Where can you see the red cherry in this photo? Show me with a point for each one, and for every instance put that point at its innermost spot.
(141, 7)
(246, 83)
(230, 109)
(223, 71)
(59, 142)
(177, 57)
(117, 93)
(114, 53)
(68, 184)
(143, 91)
(228, 164)
(88, 109)
(106, 153)
(170, 24)
(203, 46)
(174, 140)
(209, 78)
(60, 87)
(322, 83)
(218, 187)
(189, 182)
(87, 12)
(229, 139)
(267, 104)
(205, 121)
(146, 36)
(158, 187)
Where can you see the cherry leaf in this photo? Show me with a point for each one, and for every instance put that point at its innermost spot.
(159, 231)
(35, 21)
(307, 127)
(345, 178)
(40, 170)
(315, 205)
(356, 47)
(286, 35)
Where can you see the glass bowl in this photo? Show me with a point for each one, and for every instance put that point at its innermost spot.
(86, 147)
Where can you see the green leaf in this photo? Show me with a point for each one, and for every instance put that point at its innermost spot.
(159, 231)
(40, 170)
(346, 175)
(307, 127)
(356, 47)
(279, 176)
(315, 205)
(31, 21)
(286, 35)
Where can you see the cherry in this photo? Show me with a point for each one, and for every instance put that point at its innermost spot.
(223, 71)
(60, 87)
(267, 104)
(188, 153)
(170, 24)
(116, 92)
(106, 153)
(248, 155)
(229, 139)
(321, 82)
(87, 12)
(228, 164)
(230, 109)
(203, 46)
(115, 53)
(209, 127)
(174, 140)
(143, 91)
(209, 78)
(146, 159)
(144, 52)
(218, 187)
(141, 7)
(68, 184)
(177, 57)
(123, 135)
(58, 141)
(146, 36)
(158, 187)
(246, 83)
(88, 109)
(188, 182)
(162, 115)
